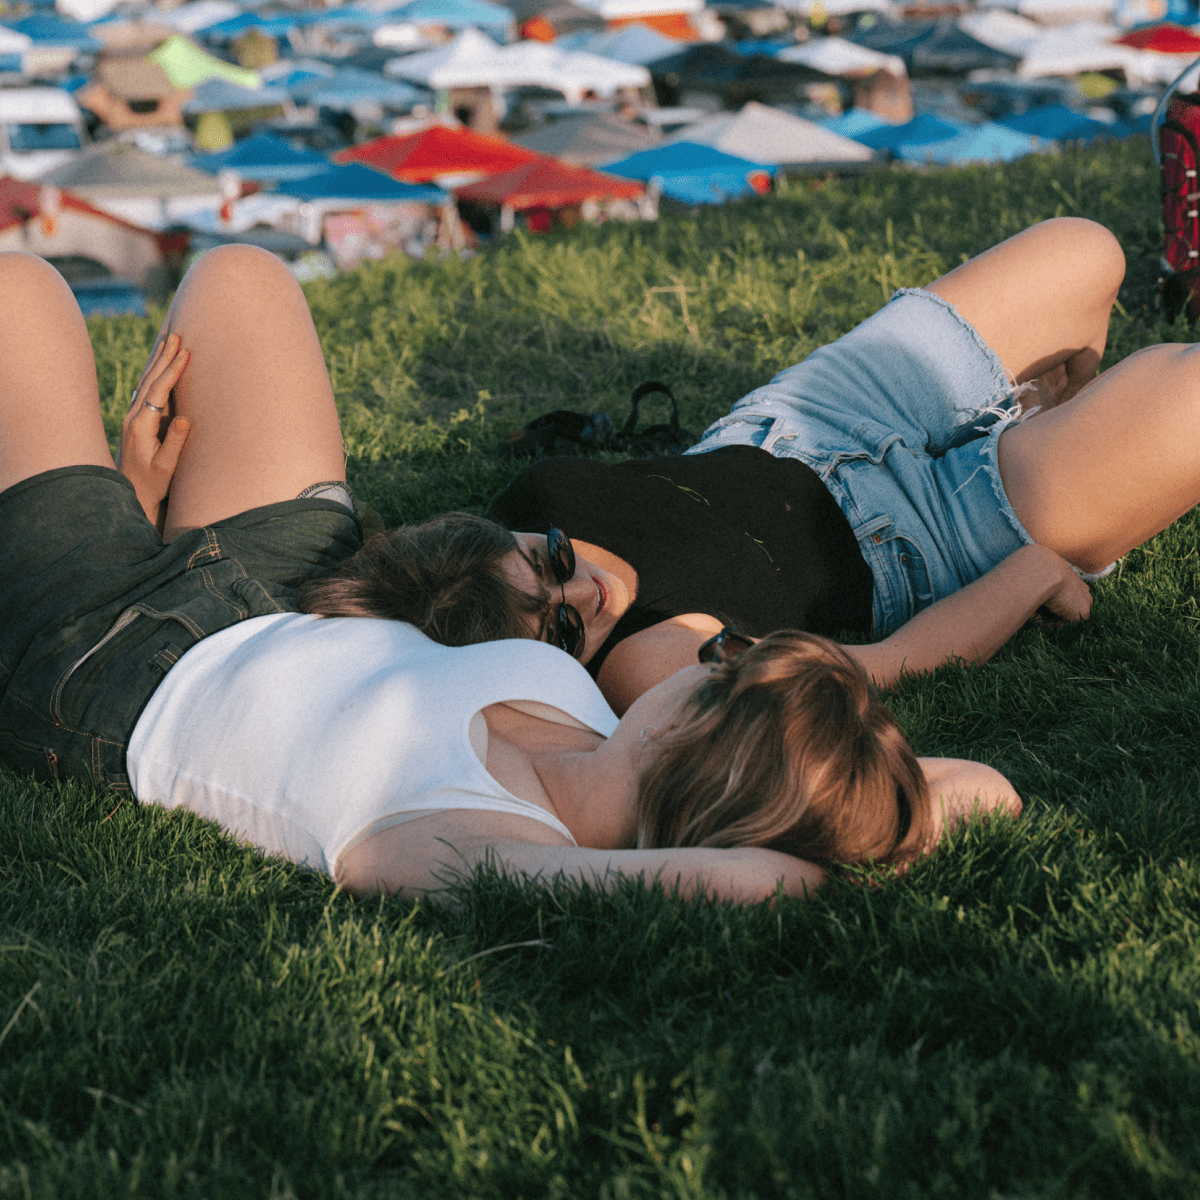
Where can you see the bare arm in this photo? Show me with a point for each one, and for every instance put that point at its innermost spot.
(971, 626)
(961, 789)
(418, 858)
(974, 623)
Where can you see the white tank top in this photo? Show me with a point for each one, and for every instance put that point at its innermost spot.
(304, 735)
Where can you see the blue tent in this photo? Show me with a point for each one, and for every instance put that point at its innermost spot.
(1057, 122)
(351, 86)
(988, 142)
(222, 95)
(353, 181)
(457, 14)
(232, 26)
(48, 30)
(263, 157)
(920, 131)
(853, 123)
(693, 174)
(636, 43)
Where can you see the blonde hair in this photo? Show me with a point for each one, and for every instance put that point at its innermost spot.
(787, 747)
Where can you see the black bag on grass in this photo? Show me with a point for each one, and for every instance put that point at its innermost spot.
(566, 432)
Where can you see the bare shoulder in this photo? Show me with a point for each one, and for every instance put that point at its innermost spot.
(646, 658)
(960, 789)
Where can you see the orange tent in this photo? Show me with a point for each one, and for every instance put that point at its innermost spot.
(548, 183)
(436, 151)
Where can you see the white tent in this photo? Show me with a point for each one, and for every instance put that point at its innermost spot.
(1001, 29)
(199, 14)
(468, 60)
(837, 56)
(572, 72)
(85, 10)
(473, 60)
(635, 43)
(12, 42)
(769, 135)
(624, 9)
(1088, 46)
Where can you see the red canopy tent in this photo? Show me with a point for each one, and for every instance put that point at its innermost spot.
(548, 183)
(1166, 39)
(437, 151)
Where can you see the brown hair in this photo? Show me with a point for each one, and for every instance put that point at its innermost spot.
(787, 747)
(446, 576)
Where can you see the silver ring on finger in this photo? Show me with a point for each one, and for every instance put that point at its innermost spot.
(156, 407)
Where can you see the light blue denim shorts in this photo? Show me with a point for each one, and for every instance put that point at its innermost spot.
(901, 419)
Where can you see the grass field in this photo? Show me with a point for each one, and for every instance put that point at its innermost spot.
(1017, 1018)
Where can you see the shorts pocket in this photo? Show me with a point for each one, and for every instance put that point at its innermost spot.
(145, 640)
(902, 584)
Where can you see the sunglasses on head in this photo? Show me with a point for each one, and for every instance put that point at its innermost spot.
(569, 632)
(724, 646)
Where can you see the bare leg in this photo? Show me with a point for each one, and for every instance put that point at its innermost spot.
(255, 391)
(1100, 475)
(1041, 300)
(49, 401)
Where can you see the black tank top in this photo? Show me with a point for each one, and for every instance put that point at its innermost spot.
(753, 540)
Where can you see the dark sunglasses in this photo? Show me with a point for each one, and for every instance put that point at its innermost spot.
(724, 646)
(568, 624)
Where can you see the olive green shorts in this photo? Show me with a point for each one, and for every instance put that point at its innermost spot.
(95, 609)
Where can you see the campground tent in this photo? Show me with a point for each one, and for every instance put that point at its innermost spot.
(989, 142)
(546, 184)
(449, 156)
(734, 78)
(1056, 122)
(350, 87)
(469, 60)
(362, 213)
(54, 223)
(473, 60)
(454, 14)
(695, 174)
(139, 187)
(186, 65)
(354, 182)
(263, 158)
(770, 135)
(590, 139)
(933, 47)
(910, 140)
(636, 43)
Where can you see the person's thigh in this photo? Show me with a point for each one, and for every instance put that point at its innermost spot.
(49, 401)
(256, 392)
(1042, 298)
(914, 371)
(1100, 475)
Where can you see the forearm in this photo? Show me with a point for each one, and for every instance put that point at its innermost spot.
(743, 876)
(974, 623)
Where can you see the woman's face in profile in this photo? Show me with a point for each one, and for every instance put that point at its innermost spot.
(599, 597)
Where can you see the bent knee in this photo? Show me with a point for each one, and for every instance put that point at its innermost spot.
(29, 276)
(1095, 245)
(236, 269)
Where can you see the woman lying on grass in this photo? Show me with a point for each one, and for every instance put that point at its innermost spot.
(885, 487)
(169, 665)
